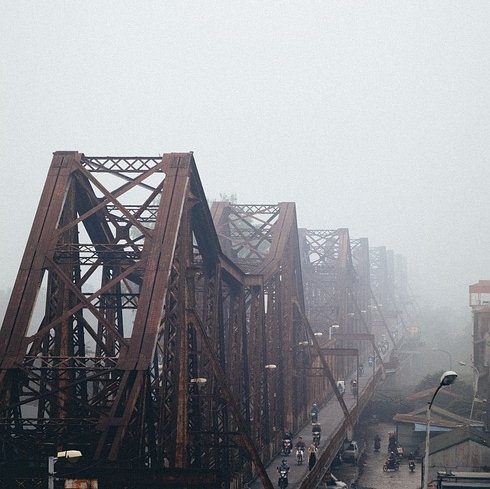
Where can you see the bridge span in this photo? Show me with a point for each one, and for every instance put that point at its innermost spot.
(171, 342)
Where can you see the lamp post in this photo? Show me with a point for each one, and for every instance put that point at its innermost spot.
(330, 330)
(447, 378)
(475, 385)
(448, 354)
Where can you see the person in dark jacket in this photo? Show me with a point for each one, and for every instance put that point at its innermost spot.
(311, 456)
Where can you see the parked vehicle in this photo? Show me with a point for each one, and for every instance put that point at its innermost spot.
(351, 452)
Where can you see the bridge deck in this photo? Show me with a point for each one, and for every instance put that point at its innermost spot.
(333, 425)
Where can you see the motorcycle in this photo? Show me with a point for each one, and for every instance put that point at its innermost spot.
(316, 432)
(283, 478)
(300, 455)
(314, 416)
(391, 466)
(411, 465)
(287, 445)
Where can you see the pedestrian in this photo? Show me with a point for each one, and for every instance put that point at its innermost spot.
(311, 456)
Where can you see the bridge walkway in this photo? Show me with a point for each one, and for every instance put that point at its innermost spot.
(334, 431)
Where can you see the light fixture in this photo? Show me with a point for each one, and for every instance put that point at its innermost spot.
(66, 454)
(198, 380)
(447, 378)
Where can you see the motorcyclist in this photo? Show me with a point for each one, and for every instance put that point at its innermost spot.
(287, 442)
(392, 460)
(300, 450)
(377, 442)
(300, 444)
(411, 461)
(284, 467)
(314, 413)
(316, 431)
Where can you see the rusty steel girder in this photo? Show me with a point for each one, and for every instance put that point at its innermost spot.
(360, 260)
(387, 315)
(328, 276)
(263, 240)
(331, 287)
(128, 334)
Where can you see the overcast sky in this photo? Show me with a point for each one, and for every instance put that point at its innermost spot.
(369, 115)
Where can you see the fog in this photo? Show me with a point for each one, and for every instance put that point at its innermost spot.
(369, 115)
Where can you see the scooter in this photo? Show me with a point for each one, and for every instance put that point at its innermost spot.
(391, 466)
(283, 478)
(316, 432)
(300, 455)
(314, 416)
(411, 465)
(287, 445)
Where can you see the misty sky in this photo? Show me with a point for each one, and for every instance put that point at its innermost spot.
(369, 115)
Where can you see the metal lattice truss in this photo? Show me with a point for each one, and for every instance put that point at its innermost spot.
(329, 278)
(128, 334)
(263, 239)
(388, 290)
(147, 331)
(336, 278)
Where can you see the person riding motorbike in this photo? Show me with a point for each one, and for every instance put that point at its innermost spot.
(316, 431)
(287, 442)
(283, 471)
(377, 443)
(314, 413)
(411, 461)
(300, 450)
(392, 461)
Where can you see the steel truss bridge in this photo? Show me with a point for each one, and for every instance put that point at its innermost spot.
(170, 342)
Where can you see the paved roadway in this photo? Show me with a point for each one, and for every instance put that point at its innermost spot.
(371, 473)
(330, 418)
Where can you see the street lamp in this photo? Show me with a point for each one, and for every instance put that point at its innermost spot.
(69, 454)
(449, 356)
(447, 378)
(475, 385)
(330, 330)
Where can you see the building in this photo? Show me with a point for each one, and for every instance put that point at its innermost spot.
(465, 449)
(480, 305)
(411, 427)
(463, 480)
